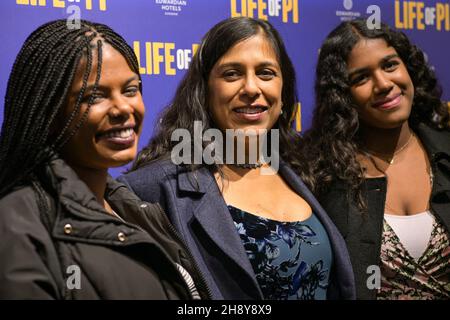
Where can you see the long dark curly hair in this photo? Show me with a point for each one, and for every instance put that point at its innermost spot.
(190, 102)
(332, 142)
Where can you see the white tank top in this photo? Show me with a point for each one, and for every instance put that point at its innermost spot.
(414, 231)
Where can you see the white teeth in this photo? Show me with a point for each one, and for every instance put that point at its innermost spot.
(250, 110)
(125, 133)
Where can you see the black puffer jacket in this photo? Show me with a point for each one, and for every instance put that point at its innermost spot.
(89, 253)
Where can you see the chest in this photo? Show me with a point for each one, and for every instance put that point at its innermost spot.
(269, 197)
(409, 183)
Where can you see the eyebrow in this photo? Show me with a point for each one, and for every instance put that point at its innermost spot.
(237, 65)
(91, 87)
(385, 59)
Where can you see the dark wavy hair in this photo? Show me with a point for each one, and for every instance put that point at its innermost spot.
(37, 91)
(331, 144)
(190, 102)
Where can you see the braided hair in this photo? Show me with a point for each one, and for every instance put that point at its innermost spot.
(37, 90)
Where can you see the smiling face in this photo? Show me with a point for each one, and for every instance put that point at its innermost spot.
(380, 84)
(245, 85)
(109, 136)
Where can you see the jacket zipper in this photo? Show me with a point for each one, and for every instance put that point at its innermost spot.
(174, 232)
(201, 278)
(173, 263)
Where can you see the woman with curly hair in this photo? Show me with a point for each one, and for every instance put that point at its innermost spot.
(379, 161)
(274, 242)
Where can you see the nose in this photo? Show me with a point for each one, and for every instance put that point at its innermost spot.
(251, 87)
(382, 83)
(121, 109)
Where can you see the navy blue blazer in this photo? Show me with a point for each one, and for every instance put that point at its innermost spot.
(195, 206)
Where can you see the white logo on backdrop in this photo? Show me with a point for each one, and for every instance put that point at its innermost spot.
(171, 7)
(348, 4)
(347, 14)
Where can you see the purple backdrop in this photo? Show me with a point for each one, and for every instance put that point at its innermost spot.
(164, 34)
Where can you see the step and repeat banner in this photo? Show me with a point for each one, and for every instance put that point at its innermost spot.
(165, 34)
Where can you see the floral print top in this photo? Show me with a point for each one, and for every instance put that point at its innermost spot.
(405, 278)
(291, 260)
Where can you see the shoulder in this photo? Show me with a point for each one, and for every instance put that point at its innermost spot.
(18, 204)
(151, 181)
(153, 172)
(28, 267)
(436, 140)
(20, 218)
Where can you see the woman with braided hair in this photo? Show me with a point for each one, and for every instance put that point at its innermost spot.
(73, 109)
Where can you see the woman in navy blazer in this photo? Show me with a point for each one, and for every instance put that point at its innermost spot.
(252, 226)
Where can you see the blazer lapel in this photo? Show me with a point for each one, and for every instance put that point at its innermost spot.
(214, 217)
(437, 145)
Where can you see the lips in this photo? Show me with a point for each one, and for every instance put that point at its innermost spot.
(251, 109)
(388, 102)
(251, 113)
(123, 136)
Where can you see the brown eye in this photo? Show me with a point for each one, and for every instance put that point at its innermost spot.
(358, 80)
(267, 74)
(131, 91)
(391, 65)
(231, 75)
(92, 98)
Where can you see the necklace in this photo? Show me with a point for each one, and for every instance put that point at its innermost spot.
(248, 165)
(385, 157)
(372, 160)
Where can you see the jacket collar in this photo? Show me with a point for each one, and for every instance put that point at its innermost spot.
(71, 189)
(77, 207)
(437, 143)
(73, 193)
(213, 215)
(198, 181)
